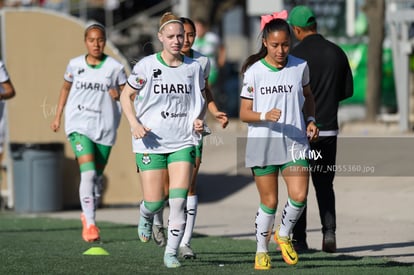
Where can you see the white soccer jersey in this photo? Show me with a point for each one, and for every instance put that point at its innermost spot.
(204, 62)
(205, 65)
(90, 109)
(4, 76)
(276, 143)
(168, 101)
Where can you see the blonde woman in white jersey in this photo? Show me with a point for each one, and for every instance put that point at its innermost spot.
(277, 104)
(166, 125)
(90, 92)
(185, 249)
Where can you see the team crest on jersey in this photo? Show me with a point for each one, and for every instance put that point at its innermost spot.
(140, 82)
(146, 159)
(79, 147)
(69, 75)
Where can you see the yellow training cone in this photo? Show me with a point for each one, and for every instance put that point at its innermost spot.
(96, 251)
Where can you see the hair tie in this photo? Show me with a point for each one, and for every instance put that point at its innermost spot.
(269, 17)
(168, 22)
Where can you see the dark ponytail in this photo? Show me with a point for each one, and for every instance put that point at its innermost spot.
(253, 58)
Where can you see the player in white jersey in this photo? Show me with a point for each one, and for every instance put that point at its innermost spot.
(90, 92)
(275, 98)
(166, 123)
(7, 92)
(185, 249)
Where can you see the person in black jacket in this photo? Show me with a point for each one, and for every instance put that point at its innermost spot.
(331, 81)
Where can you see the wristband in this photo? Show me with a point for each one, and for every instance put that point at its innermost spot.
(311, 118)
(263, 116)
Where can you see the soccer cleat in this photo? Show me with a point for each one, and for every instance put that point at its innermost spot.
(262, 261)
(288, 252)
(299, 246)
(329, 242)
(171, 261)
(89, 233)
(158, 235)
(186, 252)
(144, 229)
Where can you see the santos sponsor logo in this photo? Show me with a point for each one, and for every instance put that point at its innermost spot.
(165, 115)
(87, 109)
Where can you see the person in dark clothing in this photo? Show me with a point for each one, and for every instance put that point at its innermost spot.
(331, 81)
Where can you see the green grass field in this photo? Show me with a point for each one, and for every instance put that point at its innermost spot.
(54, 246)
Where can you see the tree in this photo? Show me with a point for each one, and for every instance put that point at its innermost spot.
(375, 11)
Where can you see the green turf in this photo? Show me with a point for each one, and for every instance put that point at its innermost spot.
(54, 246)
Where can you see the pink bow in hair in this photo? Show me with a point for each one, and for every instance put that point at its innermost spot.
(269, 17)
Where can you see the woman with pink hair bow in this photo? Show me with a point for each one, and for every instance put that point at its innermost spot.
(278, 105)
(269, 17)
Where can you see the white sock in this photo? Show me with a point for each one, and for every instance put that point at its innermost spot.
(145, 212)
(97, 189)
(191, 213)
(264, 227)
(86, 195)
(176, 224)
(159, 218)
(290, 216)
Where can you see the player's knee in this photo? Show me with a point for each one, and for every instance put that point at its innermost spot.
(299, 197)
(270, 202)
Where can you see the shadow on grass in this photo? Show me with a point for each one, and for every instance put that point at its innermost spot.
(22, 224)
(313, 256)
(376, 247)
(33, 230)
(311, 259)
(218, 252)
